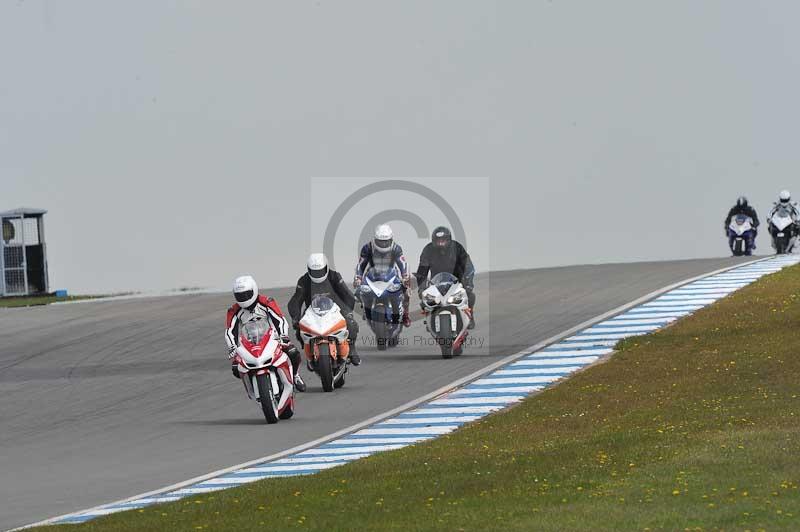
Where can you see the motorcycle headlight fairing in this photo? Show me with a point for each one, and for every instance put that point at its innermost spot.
(394, 286)
(456, 298)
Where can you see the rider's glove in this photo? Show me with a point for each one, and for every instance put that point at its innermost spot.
(285, 340)
(356, 282)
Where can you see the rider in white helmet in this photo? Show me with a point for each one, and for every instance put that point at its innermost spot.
(321, 280)
(252, 305)
(383, 252)
(785, 200)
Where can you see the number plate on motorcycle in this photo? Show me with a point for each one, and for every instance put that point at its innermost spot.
(780, 234)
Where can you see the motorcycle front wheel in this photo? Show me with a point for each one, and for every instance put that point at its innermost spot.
(446, 344)
(267, 398)
(447, 350)
(325, 367)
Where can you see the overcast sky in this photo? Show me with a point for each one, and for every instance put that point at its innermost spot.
(174, 143)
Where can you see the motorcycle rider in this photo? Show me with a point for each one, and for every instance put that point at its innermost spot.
(784, 200)
(383, 252)
(443, 254)
(250, 305)
(742, 207)
(320, 280)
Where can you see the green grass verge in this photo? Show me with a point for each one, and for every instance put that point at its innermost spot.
(11, 302)
(694, 427)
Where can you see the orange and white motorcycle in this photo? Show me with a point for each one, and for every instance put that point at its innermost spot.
(324, 333)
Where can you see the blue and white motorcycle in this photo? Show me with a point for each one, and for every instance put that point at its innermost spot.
(741, 235)
(381, 295)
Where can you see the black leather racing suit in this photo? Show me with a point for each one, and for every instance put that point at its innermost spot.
(452, 259)
(747, 210)
(333, 287)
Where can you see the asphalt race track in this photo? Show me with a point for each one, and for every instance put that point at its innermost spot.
(103, 401)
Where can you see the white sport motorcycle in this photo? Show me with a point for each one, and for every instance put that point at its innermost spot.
(783, 228)
(325, 338)
(446, 305)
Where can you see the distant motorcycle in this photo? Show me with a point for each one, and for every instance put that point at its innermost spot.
(445, 302)
(741, 235)
(324, 333)
(265, 370)
(381, 295)
(783, 228)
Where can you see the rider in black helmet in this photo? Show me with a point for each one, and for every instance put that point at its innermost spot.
(444, 254)
(742, 207)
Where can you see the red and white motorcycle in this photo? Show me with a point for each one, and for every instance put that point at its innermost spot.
(265, 369)
(324, 333)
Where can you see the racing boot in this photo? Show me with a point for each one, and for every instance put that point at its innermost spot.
(235, 370)
(471, 314)
(353, 356)
(294, 356)
(299, 383)
(406, 314)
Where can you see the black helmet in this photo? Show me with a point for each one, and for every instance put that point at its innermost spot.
(441, 237)
(741, 202)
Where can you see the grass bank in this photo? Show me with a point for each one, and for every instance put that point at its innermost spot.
(694, 427)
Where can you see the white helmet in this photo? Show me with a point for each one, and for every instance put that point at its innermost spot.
(317, 267)
(383, 240)
(245, 290)
(785, 196)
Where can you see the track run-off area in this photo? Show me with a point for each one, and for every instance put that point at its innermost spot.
(103, 401)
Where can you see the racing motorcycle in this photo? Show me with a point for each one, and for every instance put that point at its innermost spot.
(741, 235)
(381, 297)
(324, 333)
(783, 228)
(445, 304)
(265, 369)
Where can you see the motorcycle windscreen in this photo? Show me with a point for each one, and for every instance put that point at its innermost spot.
(321, 305)
(381, 281)
(382, 275)
(781, 220)
(443, 282)
(254, 330)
